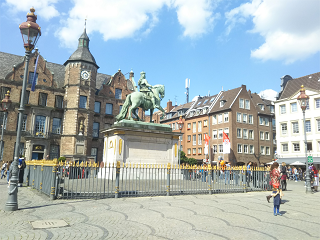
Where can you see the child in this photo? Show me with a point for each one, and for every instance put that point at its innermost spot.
(277, 195)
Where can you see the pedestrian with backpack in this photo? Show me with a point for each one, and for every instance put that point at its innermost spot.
(3, 169)
(22, 165)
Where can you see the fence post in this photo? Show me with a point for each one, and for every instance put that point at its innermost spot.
(244, 170)
(28, 173)
(53, 179)
(209, 169)
(168, 178)
(116, 195)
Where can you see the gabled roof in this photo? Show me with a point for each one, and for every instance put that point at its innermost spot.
(228, 97)
(202, 103)
(180, 107)
(258, 101)
(311, 81)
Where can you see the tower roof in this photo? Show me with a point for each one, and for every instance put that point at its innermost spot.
(82, 53)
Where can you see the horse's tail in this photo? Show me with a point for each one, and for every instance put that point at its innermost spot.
(124, 110)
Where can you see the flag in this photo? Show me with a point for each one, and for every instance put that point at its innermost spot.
(34, 81)
(226, 143)
(206, 146)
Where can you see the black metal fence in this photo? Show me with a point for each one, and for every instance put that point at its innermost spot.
(87, 180)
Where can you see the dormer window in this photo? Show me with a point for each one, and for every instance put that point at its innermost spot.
(211, 100)
(261, 106)
(191, 113)
(199, 103)
(222, 102)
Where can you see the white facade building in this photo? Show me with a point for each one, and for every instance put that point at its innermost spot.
(289, 120)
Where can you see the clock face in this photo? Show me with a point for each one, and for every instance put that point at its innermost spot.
(85, 75)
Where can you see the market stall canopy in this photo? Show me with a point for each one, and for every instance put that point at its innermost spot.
(297, 163)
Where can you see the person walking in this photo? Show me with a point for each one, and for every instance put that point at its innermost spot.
(274, 176)
(277, 195)
(316, 178)
(283, 176)
(249, 173)
(295, 174)
(3, 169)
(21, 167)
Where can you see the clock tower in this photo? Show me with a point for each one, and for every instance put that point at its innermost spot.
(80, 87)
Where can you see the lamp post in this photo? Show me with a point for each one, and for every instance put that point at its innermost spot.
(303, 100)
(30, 32)
(180, 123)
(6, 103)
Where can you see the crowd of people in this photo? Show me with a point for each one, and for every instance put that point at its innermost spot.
(7, 167)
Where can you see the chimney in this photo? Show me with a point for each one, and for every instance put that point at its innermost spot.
(169, 106)
(131, 75)
(244, 87)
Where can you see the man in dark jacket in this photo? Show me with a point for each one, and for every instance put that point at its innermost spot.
(283, 176)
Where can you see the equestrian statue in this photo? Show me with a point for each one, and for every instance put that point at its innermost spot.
(149, 97)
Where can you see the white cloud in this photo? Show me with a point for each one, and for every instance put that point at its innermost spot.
(268, 94)
(44, 8)
(290, 28)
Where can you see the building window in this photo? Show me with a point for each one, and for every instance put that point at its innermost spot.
(317, 103)
(194, 139)
(267, 150)
(109, 108)
(205, 123)
(318, 125)
(294, 107)
(220, 136)
(295, 127)
(194, 151)
(189, 126)
(94, 153)
(189, 151)
(271, 108)
(239, 148)
(59, 101)
(284, 129)
(30, 78)
(40, 126)
(296, 147)
(97, 106)
(267, 135)
(194, 127)
(56, 126)
(247, 106)
(261, 135)
(226, 117)
(283, 109)
(173, 126)
(241, 103)
(245, 133)
(250, 119)
(308, 126)
(251, 136)
(118, 94)
(54, 151)
(245, 148)
(189, 138)
(239, 133)
(199, 139)
(261, 120)
(285, 147)
(43, 99)
(251, 149)
(238, 117)
(220, 148)
(4, 91)
(266, 120)
(214, 119)
(262, 150)
(83, 102)
(95, 129)
(222, 103)
(24, 123)
(199, 150)
(226, 131)
(220, 118)
(199, 126)
(214, 134)
(214, 148)
(245, 118)
(2, 116)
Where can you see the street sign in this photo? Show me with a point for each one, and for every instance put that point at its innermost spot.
(310, 159)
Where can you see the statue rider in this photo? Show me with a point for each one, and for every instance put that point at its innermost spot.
(147, 89)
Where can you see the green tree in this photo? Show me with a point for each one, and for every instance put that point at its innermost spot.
(183, 158)
(192, 161)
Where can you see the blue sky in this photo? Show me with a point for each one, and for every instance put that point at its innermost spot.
(216, 44)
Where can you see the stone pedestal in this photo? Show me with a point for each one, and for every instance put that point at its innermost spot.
(139, 142)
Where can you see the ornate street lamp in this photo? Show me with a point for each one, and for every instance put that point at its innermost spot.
(303, 100)
(180, 124)
(6, 103)
(30, 32)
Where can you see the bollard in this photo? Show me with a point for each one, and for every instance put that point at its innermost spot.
(244, 172)
(53, 180)
(209, 169)
(116, 195)
(168, 178)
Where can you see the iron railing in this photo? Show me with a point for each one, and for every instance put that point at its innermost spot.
(86, 180)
